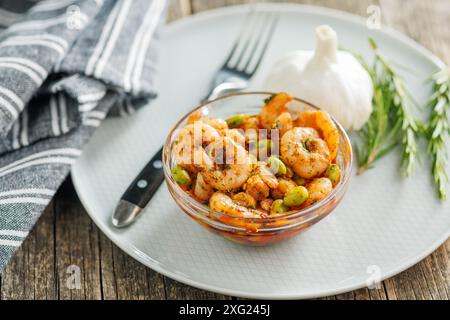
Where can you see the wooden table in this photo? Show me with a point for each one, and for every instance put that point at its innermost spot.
(65, 235)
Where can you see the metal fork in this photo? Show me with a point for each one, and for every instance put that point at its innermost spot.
(245, 56)
(235, 74)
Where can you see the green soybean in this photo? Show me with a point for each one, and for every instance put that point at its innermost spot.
(236, 120)
(181, 176)
(278, 206)
(277, 166)
(296, 196)
(264, 147)
(333, 173)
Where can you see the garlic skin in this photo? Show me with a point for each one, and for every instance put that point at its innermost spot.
(330, 79)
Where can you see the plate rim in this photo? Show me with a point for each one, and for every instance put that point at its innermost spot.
(284, 7)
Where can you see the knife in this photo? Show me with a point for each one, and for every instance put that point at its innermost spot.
(146, 183)
(139, 193)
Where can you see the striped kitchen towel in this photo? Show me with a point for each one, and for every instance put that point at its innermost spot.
(64, 66)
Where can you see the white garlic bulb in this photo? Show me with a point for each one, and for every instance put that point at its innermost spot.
(330, 79)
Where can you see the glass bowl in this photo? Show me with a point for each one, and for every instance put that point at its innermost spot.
(255, 231)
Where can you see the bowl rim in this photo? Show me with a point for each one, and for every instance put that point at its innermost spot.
(340, 187)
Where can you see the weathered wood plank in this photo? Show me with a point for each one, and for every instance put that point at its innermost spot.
(429, 279)
(178, 9)
(178, 291)
(108, 275)
(134, 280)
(430, 27)
(124, 278)
(353, 6)
(76, 248)
(31, 272)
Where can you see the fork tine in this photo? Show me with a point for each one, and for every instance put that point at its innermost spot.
(258, 38)
(249, 39)
(241, 35)
(268, 38)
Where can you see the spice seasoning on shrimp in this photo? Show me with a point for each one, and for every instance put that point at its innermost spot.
(258, 165)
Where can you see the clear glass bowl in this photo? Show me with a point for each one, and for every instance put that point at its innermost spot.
(251, 231)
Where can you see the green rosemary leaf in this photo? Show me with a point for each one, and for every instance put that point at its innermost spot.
(391, 122)
(438, 129)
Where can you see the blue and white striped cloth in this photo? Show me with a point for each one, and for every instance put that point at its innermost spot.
(64, 66)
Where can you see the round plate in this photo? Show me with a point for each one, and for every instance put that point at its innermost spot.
(384, 225)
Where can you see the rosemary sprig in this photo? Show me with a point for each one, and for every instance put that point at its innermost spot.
(391, 121)
(438, 129)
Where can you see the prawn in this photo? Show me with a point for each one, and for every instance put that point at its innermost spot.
(326, 127)
(263, 170)
(188, 145)
(217, 123)
(318, 189)
(202, 190)
(235, 134)
(284, 185)
(307, 156)
(283, 123)
(230, 165)
(275, 106)
(223, 203)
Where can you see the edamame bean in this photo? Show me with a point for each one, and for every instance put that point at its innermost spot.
(296, 196)
(277, 166)
(236, 120)
(181, 176)
(333, 173)
(264, 147)
(278, 206)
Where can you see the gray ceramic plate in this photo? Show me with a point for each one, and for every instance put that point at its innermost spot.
(384, 225)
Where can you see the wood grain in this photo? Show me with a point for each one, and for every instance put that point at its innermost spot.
(31, 273)
(65, 236)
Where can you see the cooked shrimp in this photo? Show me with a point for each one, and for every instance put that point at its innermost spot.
(284, 185)
(266, 204)
(307, 163)
(231, 165)
(322, 122)
(217, 123)
(244, 199)
(318, 189)
(273, 108)
(250, 122)
(263, 170)
(283, 123)
(256, 187)
(188, 145)
(317, 145)
(223, 203)
(202, 190)
(236, 134)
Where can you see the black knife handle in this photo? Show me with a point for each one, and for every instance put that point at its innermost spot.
(146, 183)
